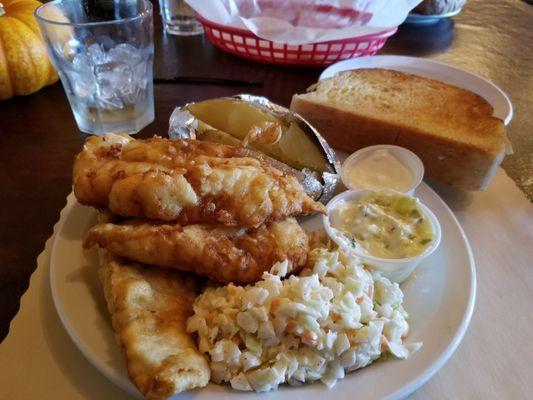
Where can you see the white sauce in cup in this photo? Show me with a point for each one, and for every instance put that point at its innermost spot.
(380, 169)
(383, 167)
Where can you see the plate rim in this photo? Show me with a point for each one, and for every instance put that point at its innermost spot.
(402, 392)
(107, 371)
(392, 57)
(446, 354)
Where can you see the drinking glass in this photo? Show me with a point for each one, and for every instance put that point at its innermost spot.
(103, 52)
(178, 18)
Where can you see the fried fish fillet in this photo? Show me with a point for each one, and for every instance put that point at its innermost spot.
(186, 181)
(149, 308)
(225, 254)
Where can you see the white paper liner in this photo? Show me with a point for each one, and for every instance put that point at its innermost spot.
(298, 22)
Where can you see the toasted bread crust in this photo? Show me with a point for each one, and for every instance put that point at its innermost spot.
(451, 129)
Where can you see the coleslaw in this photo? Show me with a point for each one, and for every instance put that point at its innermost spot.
(335, 317)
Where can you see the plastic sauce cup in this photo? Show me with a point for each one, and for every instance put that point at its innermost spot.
(396, 269)
(406, 157)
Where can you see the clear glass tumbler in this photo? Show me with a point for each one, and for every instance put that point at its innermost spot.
(178, 18)
(103, 51)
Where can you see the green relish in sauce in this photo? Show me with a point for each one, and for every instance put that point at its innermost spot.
(386, 225)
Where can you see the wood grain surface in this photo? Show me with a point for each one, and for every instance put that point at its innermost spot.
(39, 137)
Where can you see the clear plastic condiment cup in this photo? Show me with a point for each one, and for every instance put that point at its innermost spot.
(396, 269)
(409, 160)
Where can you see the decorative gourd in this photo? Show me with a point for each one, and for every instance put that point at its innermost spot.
(24, 65)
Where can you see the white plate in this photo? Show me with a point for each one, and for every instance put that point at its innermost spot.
(439, 296)
(501, 104)
(421, 19)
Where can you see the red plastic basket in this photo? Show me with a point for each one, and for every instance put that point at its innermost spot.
(245, 43)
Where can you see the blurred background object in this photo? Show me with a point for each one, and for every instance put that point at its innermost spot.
(103, 52)
(436, 7)
(178, 18)
(24, 64)
(423, 40)
(432, 11)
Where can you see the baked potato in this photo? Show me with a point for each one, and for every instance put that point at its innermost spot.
(269, 132)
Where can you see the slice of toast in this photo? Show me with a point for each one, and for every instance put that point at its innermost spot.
(451, 129)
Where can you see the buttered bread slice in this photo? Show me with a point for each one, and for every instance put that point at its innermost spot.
(451, 129)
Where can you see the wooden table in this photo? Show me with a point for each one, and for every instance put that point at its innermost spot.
(38, 135)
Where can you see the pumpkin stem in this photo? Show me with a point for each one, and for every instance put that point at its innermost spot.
(2, 11)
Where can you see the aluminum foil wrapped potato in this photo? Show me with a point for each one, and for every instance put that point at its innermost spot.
(270, 132)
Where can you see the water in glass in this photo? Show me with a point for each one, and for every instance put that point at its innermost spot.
(105, 66)
(178, 18)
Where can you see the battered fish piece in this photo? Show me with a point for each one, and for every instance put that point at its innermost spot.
(149, 308)
(186, 181)
(222, 253)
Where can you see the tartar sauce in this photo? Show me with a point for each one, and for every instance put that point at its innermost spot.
(379, 170)
(385, 224)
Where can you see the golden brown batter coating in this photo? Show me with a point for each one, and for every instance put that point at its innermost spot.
(149, 308)
(225, 254)
(185, 181)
